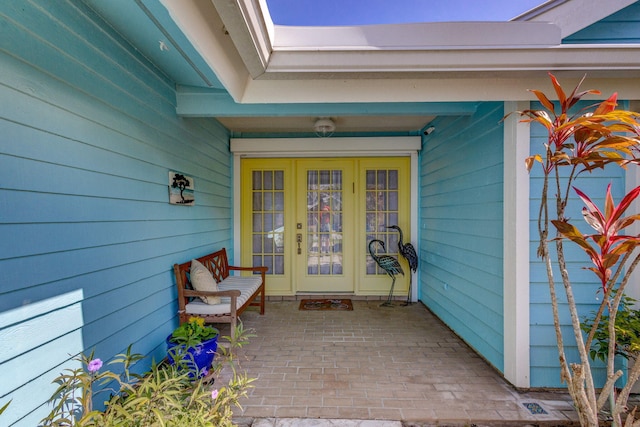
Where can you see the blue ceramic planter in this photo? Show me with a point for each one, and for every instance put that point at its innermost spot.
(197, 359)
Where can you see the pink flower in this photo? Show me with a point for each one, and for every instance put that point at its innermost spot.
(94, 365)
(214, 394)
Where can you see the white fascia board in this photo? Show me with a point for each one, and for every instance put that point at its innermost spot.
(444, 89)
(204, 29)
(249, 24)
(429, 36)
(512, 59)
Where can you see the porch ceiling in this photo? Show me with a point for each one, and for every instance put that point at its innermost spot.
(229, 56)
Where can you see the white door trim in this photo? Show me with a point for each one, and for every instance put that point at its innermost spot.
(325, 147)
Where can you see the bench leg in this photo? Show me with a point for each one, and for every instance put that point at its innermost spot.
(234, 322)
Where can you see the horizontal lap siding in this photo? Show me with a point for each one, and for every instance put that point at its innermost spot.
(89, 134)
(621, 27)
(545, 370)
(461, 213)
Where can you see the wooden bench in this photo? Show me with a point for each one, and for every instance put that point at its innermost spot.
(236, 292)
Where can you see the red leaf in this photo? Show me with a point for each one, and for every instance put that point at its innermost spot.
(572, 233)
(609, 205)
(561, 95)
(593, 209)
(608, 105)
(625, 203)
(544, 100)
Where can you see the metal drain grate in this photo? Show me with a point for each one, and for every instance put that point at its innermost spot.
(534, 408)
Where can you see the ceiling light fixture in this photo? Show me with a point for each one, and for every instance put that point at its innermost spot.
(324, 127)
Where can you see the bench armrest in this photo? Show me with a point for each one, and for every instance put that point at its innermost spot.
(260, 269)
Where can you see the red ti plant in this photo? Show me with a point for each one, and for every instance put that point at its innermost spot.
(594, 137)
(610, 245)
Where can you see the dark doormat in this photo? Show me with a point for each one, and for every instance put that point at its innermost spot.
(326, 304)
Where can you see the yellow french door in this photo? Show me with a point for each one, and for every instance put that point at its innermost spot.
(310, 222)
(384, 200)
(324, 227)
(266, 207)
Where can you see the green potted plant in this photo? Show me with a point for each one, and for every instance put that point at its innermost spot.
(166, 395)
(194, 345)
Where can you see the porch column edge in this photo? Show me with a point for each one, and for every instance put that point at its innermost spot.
(516, 248)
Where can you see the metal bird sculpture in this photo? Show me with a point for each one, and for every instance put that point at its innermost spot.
(408, 252)
(388, 264)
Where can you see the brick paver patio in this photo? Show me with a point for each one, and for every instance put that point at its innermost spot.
(378, 363)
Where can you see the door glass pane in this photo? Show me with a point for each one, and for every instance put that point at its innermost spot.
(279, 200)
(268, 220)
(257, 244)
(257, 180)
(393, 180)
(381, 212)
(371, 179)
(257, 222)
(279, 219)
(257, 201)
(267, 179)
(393, 201)
(268, 201)
(324, 222)
(279, 180)
(279, 263)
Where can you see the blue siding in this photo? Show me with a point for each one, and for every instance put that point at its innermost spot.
(621, 27)
(89, 134)
(461, 213)
(545, 371)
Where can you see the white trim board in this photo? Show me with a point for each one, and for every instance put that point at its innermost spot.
(516, 320)
(326, 147)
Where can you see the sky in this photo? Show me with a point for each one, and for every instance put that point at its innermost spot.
(365, 12)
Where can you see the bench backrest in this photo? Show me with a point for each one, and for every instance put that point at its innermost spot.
(216, 262)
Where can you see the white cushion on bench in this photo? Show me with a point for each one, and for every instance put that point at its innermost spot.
(247, 285)
(202, 280)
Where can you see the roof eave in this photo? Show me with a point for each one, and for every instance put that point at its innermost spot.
(249, 55)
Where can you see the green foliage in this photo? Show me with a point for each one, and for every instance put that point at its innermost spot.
(165, 396)
(581, 141)
(627, 332)
(193, 332)
(6, 405)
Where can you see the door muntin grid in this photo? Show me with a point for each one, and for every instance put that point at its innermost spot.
(268, 219)
(324, 232)
(381, 211)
